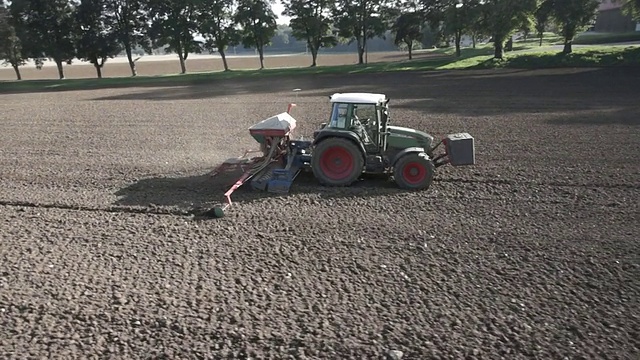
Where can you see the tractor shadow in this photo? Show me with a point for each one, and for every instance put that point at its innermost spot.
(199, 193)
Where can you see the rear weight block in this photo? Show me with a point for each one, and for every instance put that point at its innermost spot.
(460, 149)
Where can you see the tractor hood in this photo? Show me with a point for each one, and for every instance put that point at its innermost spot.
(402, 137)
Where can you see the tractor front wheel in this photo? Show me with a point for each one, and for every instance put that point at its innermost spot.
(337, 162)
(414, 171)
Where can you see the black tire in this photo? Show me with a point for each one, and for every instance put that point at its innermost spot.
(337, 162)
(414, 171)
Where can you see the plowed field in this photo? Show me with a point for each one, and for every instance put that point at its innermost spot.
(531, 253)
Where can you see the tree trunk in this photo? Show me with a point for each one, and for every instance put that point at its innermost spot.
(458, 39)
(261, 54)
(60, 69)
(132, 64)
(509, 46)
(541, 36)
(360, 47)
(569, 32)
(183, 66)
(498, 44)
(567, 47)
(360, 55)
(224, 59)
(17, 70)
(314, 55)
(410, 48)
(98, 70)
(473, 40)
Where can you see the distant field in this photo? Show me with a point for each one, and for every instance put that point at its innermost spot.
(169, 64)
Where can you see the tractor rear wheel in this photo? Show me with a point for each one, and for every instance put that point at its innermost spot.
(337, 162)
(414, 171)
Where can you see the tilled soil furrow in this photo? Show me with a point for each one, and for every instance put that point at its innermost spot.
(112, 209)
(519, 183)
(531, 253)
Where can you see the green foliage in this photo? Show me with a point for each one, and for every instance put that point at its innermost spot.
(430, 37)
(258, 24)
(174, 23)
(47, 29)
(630, 8)
(527, 26)
(10, 43)
(360, 20)
(459, 17)
(629, 56)
(573, 16)
(541, 18)
(96, 39)
(130, 25)
(217, 26)
(311, 21)
(501, 17)
(408, 30)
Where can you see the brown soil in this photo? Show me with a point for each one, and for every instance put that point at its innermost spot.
(532, 253)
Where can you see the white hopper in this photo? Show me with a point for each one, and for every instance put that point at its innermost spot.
(279, 125)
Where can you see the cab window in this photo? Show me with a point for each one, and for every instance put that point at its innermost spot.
(365, 111)
(339, 116)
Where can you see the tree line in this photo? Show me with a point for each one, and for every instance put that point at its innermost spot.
(97, 30)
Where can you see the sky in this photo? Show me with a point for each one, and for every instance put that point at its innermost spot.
(278, 8)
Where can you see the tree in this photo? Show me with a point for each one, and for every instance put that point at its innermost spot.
(541, 16)
(458, 17)
(407, 29)
(130, 26)
(455, 22)
(258, 24)
(501, 17)
(97, 41)
(10, 43)
(173, 24)
(360, 20)
(217, 26)
(630, 8)
(475, 26)
(311, 21)
(527, 26)
(48, 29)
(573, 16)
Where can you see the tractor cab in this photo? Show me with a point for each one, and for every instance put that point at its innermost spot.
(364, 114)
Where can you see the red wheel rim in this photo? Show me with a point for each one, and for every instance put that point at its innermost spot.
(414, 173)
(336, 163)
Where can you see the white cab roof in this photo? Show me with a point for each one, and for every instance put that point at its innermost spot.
(359, 98)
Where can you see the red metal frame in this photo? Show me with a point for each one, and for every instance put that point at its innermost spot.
(243, 160)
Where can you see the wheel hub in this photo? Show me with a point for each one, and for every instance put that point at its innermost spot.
(414, 172)
(337, 162)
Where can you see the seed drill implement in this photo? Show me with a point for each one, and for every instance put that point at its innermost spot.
(357, 139)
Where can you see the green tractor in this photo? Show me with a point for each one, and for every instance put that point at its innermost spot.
(359, 139)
